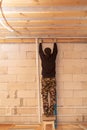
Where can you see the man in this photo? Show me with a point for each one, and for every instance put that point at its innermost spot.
(48, 78)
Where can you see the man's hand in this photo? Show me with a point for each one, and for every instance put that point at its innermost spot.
(40, 40)
(55, 40)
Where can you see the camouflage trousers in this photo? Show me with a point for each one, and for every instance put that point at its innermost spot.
(48, 95)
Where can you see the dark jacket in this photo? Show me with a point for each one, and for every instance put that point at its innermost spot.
(48, 62)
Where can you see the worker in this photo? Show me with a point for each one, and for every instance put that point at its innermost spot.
(48, 79)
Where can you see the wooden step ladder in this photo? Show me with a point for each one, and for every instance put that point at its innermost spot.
(48, 122)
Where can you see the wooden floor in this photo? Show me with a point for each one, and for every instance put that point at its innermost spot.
(38, 127)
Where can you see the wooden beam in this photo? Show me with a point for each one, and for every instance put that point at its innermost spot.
(45, 40)
(18, 40)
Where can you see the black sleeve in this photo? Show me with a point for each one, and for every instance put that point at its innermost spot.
(41, 50)
(55, 50)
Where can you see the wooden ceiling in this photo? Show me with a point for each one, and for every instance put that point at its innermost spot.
(44, 18)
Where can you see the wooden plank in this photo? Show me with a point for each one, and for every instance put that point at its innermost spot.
(19, 127)
(66, 40)
(18, 40)
(40, 36)
(38, 127)
(44, 2)
(83, 127)
(6, 126)
(53, 28)
(48, 28)
(38, 22)
(30, 26)
(51, 21)
(46, 18)
(51, 118)
(45, 40)
(46, 15)
(49, 31)
(43, 23)
(43, 9)
(36, 35)
(62, 27)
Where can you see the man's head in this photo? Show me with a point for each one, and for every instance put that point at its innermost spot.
(47, 51)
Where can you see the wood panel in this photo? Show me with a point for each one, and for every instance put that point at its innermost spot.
(40, 35)
(44, 2)
(16, 127)
(49, 28)
(44, 18)
(48, 15)
(69, 22)
(46, 33)
(31, 9)
(38, 127)
(48, 24)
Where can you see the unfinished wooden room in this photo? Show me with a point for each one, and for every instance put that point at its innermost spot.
(43, 64)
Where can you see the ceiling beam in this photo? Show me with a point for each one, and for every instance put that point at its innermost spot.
(45, 40)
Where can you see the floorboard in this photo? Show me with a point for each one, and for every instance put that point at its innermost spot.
(38, 127)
